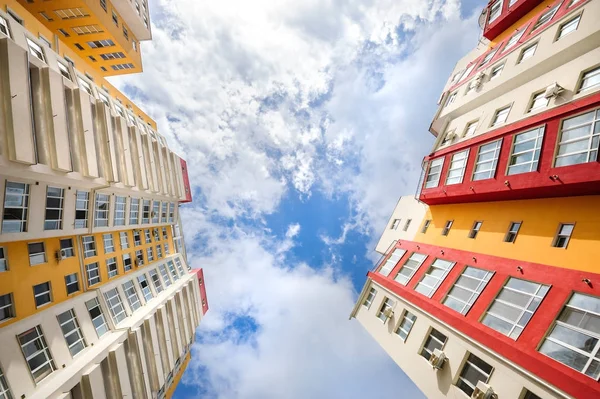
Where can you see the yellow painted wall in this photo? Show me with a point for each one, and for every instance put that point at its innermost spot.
(540, 219)
(35, 27)
(177, 377)
(20, 278)
(511, 30)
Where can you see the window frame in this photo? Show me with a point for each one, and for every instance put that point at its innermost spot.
(130, 291)
(462, 168)
(89, 246)
(464, 370)
(552, 12)
(75, 331)
(146, 291)
(537, 148)
(428, 274)
(155, 277)
(89, 269)
(385, 304)
(47, 292)
(406, 316)
(108, 243)
(49, 222)
(497, 112)
(527, 52)
(425, 351)
(430, 166)
(23, 208)
(559, 32)
(447, 227)
(67, 245)
(494, 160)
(558, 236)
(368, 301)
(134, 211)
(11, 312)
(475, 229)
(413, 267)
(101, 216)
(595, 71)
(391, 261)
(112, 267)
(71, 283)
(496, 70)
(90, 306)
(493, 18)
(511, 236)
(43, 254)
(4, 266)
(595, 119)
(482, 282)
(120, 210)
(426, 225)
(534, 98)
(43, 349)
(79, 202)
(117, 315)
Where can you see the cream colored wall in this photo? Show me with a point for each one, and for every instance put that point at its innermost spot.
(406, 208)
(506, 379)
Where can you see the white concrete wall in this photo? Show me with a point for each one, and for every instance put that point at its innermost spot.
(406, 208)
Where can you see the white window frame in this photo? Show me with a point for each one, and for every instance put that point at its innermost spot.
(7, 307)
(412, 264)
(112, 267)
(145, 287)
(98, 320)
(496, 71)
(427, 349)
(4, 388)
(115, 305)
(405, 325)
(134, 211)
(475, 229)
(146, 208)
(66, 245)
(132, 296)
(155, 214)
(70, 327)
(495, 12)
(493, 148)
(536, 151)
(109, 243)
(513, 232)
(163, 212)
(458, 162)
(386, 304)
(586, 77)
(4, 26)
(179, 266)
(12, 192)
(567, 25)
(36, 50)
(149, 254)
(435, 175)
(3, 260)
(139, 256)
(438, 264)
(546, 17)
(391, 261)
(54, 194)
(171, 212)
(591, 153)
(89, 246)
(498, 119)
(92, 272)
(47, 292)
(563, 235)
(470, 364)
(38, 343)
(514, 39)
(425, 226)
(82, 204)
(120, 207)
(69, 282)
(101, 210)
(538, 101)
(447, 227)
(37, 258)
(156, 281)
(127, 266)
(369, 298)
(172, 270)
(124, 240)
(165, 275)
(527, 52)
(159, 253)
(486, 60)
(471, 128)
(472, 281)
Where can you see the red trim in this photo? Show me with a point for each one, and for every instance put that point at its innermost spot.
(202, 286)
(186, 181)
(581, 179)
(508, 16)
(522, 351)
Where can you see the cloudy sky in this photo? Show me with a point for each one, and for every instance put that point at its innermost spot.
(302, 122)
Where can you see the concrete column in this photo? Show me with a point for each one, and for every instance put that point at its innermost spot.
(92, 384)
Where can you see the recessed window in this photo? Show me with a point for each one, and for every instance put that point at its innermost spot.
(525, 152)
(87, 29)
(475, 229)
(4, 389)
(156, 281)
(119, 67)
(407, 224)
(434, 173)
(514, 306)
(470, 129)
(3, 260)
(487, 160)
(7, 308)
(514, 39)
(158, 252)
(36, 50)
(386, 306)
(147, 236)
(448, 137)
(72, 283)
(54, 208)
(124, 240)
(111, 267)
(527, 52)
(131, 294)
(16, 207)
(434, 276)
(71, 331)
(125, 33)
(163, 213)
(164, 233)
(578, 139)
(137, 239)
(179, 266)
(66, 34)
(4, 26)
(530, 395)
(149, 254)
(171, 212)
(98, 320)
(155, 211)
(134, 211)
(146, 212)
(66, 247)
(139, 256)
(14, 16)
(164, 275)
(538, 101)
(42, 294)
(103, 4)
(473, 371)
(99, 43)
(487, 58)
(513, 230)
(72, 13)
(115, 18)
(82, 206)
(89, 246)
(392, 261)
(410, 267)
(369, 299)
(456, 170)
(112, 56)
(447, 227)
(146, 291)
(36, 353)
(119, 211)
(546, 16)
(37, 253)
(563, 235)
(127, 262)
(115, 305)
(435, 340)
(574, 339)
(590, 80)
(101, 211)
(64, 70)
(425, 226)
(46, 16)
(167, 251)
(406, 323)
(451, 99)
(500, 116)
(172, 270)
(568, 27)
(156, 235)
(93, 274)
(496, 71)
(467, 288)
(109, 245)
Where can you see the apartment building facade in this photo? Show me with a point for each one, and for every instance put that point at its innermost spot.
(97, 299)
(496, 293)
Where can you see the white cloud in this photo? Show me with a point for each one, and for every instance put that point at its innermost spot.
(292, 230)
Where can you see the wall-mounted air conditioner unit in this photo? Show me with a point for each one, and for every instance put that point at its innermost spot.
(437, 359)
(553, 90)
(483, 391)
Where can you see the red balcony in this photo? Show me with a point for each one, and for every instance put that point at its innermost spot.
(202, 288)
(501, 15)
(507, 181)
(186, 182)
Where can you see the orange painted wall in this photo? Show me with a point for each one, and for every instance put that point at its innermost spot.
(540, 218)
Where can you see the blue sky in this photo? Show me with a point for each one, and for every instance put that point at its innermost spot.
(302, 123)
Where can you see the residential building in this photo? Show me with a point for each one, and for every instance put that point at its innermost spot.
(497, 292)
(97, 299)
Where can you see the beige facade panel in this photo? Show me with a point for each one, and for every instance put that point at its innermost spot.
(86, 130)
(139, 159)
(92, 383)
(162, 168)
(128, 157)
(105, 143)
(404, 223)
(58, 131)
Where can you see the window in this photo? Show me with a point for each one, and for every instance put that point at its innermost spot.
(171, 212)
(387, 304)
(71, 331)
(158, 252)
(496, 71)
(126, 262)
(425, 226)
(147, 236)
(42, 294)
(93, 274)
(137, 239)
(167, 250)
(115, 305)
(36, 353)
(467, 288)
(119, 211)
(164, 209)
(434, 276)
(530, 395)
(527, 52)
(590, 79)
(487, 160)
(89, 246)
(179, 267)
(35, 50)
(473, 371)
(87, 29)
(451, 98)
(134, 211)
(124, 240)
(434, 173)
(98, 320)
(538, 101)
(164, 275)
(495, 10)
(563, 235)
(526, 150)
(103, 4)
(447, 227)
(139, 254)
(125, 32)
(514, 306)
(82, 204)
(546, 16)
(109, 245)
(172, 270)
(470, 129)
(100, 43)
(54, 208)
(568, 27)
(578, 142)
(37, 253)
(45, 41)
(435, 340)
(118, 67)
(7, 309)
(112, 56)
(407, 225)
(500, 116)
(156, 235)
(156, 281)
(3, 260)
(72, 13)
(468, 71)
(115, 18)
(4, 390)
(16, 206)
(369, 299)
(391, 261)
(146, 212)
(406, 323)
(164, 233)
(475, 229)
(72, 283)
(448, 137)
(66, 246)
(111, 266)
(487, 58)
(101, 211)
(66, 34)
(149, 254)
(155, 211)
(513, 230)
(132, 296)
(456, 171)
(575, 337)
(514, 38)
(146, 292)
(409, 268)
(64, 70)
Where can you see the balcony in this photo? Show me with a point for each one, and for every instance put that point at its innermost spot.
(502, 14)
